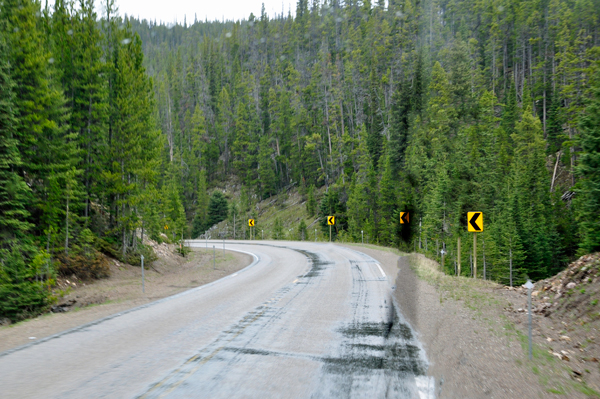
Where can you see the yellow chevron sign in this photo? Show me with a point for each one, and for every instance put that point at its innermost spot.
(475, 222)
(404, 218)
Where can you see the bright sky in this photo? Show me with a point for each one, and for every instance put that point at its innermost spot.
(170, 11)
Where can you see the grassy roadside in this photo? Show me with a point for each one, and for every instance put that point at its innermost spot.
(482, 298)
(123, 290)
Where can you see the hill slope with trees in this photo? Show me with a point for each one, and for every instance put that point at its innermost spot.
(113, 128)
(433, 107)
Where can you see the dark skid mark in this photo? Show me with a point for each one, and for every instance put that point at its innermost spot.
(368, 347)
(366, 364)
(317, 264)
(395, 354)
(365, 329)
(250, 351)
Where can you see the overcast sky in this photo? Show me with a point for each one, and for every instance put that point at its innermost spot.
(170, 10)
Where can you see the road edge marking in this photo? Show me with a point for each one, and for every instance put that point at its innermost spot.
(124, 312)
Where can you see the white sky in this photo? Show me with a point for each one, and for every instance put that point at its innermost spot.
(170, 11)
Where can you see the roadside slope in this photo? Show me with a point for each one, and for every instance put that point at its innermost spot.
(474, 349)
(86, 302)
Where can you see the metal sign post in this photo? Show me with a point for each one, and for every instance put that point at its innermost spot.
(251, 225)
(475, 255)
(529, 286)
(484, 266)
(330, 222)
(475, 225)
(458, 256)
(443, 252)
(214, 259)
(420, 232)
(143, 287)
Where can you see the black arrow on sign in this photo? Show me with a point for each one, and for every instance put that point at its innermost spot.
(405, 217)
(330, 219)
(474, 220)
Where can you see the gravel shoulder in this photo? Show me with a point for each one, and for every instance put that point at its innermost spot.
(476, 345)
(84, 302)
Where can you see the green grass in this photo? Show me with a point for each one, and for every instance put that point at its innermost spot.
(553, 375)
(290, 209)
(586, 390)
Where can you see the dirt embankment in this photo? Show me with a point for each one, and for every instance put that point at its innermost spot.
(84, 302)
(471, 353)
(475, 332)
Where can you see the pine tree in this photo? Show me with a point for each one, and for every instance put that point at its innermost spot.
(89, 109)
(401, 110)
(278, 233)
(21, 293)
(48, 148)
(174, 211)
(554, 127)
(311, 202)
(387, 205)
(589, 171)
(534, 220)
(200, 221)
(266, 174)
(13, 190)
(302, 235)
(218, 209)
(133, 147)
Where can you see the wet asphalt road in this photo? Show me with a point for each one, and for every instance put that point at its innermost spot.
(303, 320)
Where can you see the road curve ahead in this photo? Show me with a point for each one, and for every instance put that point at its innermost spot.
(304, 320)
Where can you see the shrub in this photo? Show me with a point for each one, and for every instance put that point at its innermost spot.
(23, 293)
(93, 266)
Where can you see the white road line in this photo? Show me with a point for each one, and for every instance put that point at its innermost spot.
(381, 270)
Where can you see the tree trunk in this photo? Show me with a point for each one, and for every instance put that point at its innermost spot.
(67, 226)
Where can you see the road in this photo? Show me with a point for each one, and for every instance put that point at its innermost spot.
(303, 320)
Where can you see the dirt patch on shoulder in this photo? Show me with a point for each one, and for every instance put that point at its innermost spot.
(473, 351)
(474, 348)
(85, 302)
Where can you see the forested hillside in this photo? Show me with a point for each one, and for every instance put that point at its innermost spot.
(79, 149)
(433, 107)
(113, 128)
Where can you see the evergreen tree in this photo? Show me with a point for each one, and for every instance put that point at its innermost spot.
(400, 127)
(218, 209)
(311, 202)
(133, 148)
(13, 190)
(21, 295)
(201, 218)
(589, 171)
(302, 235)
(48, 149)
(278, 233)
(534, 221)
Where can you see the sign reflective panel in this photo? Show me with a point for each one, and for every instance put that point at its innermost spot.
(475, 222)
(404, 218)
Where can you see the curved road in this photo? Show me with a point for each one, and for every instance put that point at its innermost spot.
(303, 320)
